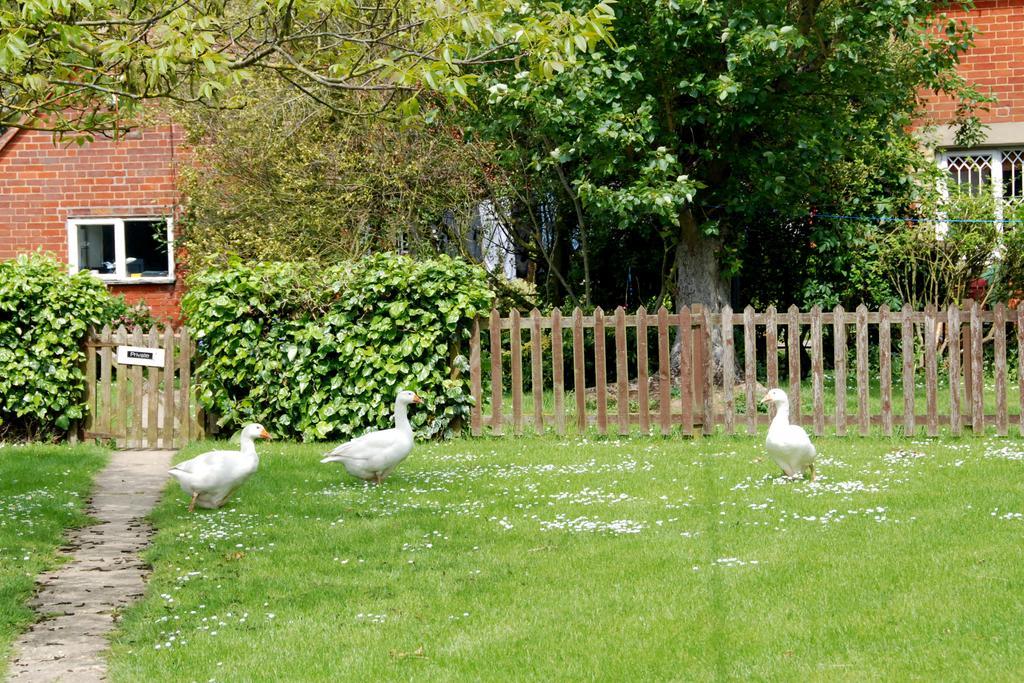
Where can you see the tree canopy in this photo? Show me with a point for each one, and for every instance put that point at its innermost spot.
(718, 123)
(74, 65)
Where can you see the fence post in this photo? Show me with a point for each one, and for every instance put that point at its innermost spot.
(839, 359)
(953, 337)
(106, 390)
(90, 382)
(750, 368)
(497, 391)
(700, 359)
(793, 344)
(153, 394)
(686, 370)
(167, 437)
(818, 371)
(771, 336)
(907, 343)
(124, 389)
(475, 381)
(999, 322)
(186, 408)
(579, 369)
(977, 379)
(643, 390)
(558, 370)
(1020, 364)
(930, 370)
(863, 415)
(664, 374)
(537, 371)
(709, 374)
(600, 371)
(516, 349)
(621, 371)
(885, 367)
(728, 371)
(966, 347)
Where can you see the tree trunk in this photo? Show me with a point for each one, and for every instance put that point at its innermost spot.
(699, 281)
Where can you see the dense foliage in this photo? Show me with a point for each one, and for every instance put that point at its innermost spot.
(287, 179)
(1008, 275)
(318, 352)
(44, 316)
(86, 65)
(717, 127)
(926, 262)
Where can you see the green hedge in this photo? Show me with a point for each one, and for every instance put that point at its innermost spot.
(44, 316)
(320, 353)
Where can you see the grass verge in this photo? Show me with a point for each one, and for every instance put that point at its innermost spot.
(641, 559)
(42, 494)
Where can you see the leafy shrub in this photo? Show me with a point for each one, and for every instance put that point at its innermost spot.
(44, 316)
(329, 188)
(1008, 282)
(924, 265)
(320, 353)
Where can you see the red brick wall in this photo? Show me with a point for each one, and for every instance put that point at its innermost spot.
(995, 65)
(44, 182)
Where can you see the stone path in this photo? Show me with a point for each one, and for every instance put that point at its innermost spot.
(78, 601)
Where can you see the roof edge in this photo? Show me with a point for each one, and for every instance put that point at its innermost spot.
(7, 136)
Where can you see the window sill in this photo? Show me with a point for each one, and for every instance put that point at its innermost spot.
(167, 280)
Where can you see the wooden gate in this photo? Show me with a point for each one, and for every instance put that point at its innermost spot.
(137, 406)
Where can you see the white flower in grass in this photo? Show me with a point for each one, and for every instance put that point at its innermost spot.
(734, 562)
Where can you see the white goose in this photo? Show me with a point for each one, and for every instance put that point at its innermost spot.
(212, 477)
(373, 456)
(788, 445)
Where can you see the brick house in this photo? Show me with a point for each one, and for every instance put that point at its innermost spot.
(996, 66)
(107, 206)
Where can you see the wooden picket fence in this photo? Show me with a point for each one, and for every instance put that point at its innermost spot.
(136, 406)
(917, 344)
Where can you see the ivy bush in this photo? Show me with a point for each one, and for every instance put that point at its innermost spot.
(319, 352)
(44, 316)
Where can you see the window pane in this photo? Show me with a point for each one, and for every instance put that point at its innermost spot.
(1013, 177)
(96, 248)
(145, 248)
(970, 172)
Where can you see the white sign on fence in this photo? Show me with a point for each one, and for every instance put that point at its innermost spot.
(140, 355)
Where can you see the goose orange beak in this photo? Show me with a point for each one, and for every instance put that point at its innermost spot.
(265, 434)
(764, 399)
(416, 398)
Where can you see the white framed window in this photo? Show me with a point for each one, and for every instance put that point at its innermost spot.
(123, 250)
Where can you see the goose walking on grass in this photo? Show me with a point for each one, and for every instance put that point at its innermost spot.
(212, 477)
(788, 444)
(373, 456)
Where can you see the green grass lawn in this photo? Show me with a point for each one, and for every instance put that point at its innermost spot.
(829, 401)
(42, 493)
(641, 559)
